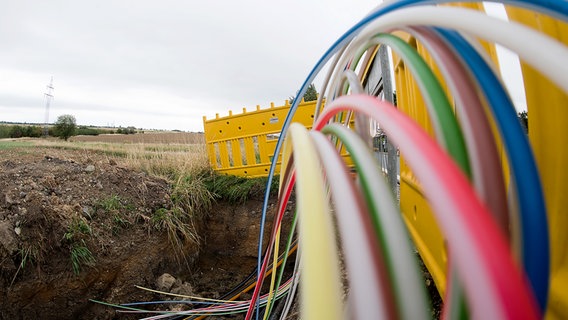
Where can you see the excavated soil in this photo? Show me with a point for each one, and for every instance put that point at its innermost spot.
(54, 202)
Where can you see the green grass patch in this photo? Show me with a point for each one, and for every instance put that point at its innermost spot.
(236, 189)
(73, 146)
(80, 256)
(120, 210)
(9, 144)
(77, 228)
(113, 204)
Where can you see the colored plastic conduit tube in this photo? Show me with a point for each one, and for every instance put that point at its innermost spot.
(284, 259)
(448, 131)
(558, 9)
(484, 159)
(488, 28)
(282, 204)
(494, 286)
(536, 255)
(320, 293)
(532, 202)
(427, 80)
(370, 294)
(389, 231)
(439, 108)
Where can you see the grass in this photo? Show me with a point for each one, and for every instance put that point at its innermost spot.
(78, 227)
(166, 162)
(111, 203)
(180, 229)
(190, 192)
(114, 204)
(238, 189)
(28, 255)
(120, 210)
(81, 255)
(10, 144)
(109, 149)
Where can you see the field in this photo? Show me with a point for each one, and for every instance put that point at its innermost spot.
(166, 155)
(90, 220)
(147, 137)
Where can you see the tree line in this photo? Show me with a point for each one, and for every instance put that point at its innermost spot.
(64, 128)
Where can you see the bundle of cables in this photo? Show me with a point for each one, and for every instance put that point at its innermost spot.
(497, 241)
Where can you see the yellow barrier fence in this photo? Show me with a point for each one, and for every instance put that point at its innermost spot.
(243, 144)
(548, 134)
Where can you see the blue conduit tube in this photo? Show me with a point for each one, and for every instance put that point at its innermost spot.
(555, 8)
(534, 225)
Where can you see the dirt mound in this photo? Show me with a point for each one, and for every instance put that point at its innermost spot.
(76, 226)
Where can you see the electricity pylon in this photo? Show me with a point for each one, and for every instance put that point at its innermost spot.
(48, 97)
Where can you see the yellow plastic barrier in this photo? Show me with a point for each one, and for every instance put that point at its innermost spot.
(243, 144)
(548, 134)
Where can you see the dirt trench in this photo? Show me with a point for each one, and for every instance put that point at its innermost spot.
(54, 202)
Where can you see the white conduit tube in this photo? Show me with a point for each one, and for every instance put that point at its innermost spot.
(526, 42)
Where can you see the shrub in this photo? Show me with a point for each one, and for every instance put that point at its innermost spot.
(86, 131)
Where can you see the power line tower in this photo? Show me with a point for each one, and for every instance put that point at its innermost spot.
(48, 97)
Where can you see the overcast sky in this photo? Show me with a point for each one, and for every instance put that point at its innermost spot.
(163, 64)
(160, 64)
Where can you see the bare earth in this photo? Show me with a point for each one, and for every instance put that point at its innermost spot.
(48, 196)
